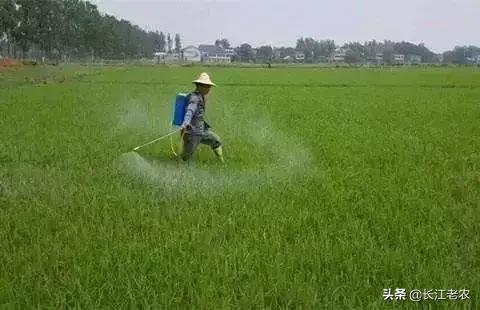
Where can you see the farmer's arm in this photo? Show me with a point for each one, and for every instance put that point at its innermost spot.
(191, 109)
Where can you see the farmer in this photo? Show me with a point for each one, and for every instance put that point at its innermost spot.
(194, 128)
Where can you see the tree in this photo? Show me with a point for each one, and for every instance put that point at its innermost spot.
(73, 28)
(170, 43)
(265, 53)
(91, 36)
(286, 51)
(315, 50)
(461, 54)
(408, 48)
(300, 44)
(112, 39)
(156, 41)
(352, 56)
(8, 20)
(308, 47)
(55, 28)
(245, 52)
(178, 44)
(326, 48)
(425, 53)
(355, 52)
(26, 34)
(372, 48)
(222, 43)
(70, 36)
(152, 43)
(162, 43)
(8, 17)
(388, 52)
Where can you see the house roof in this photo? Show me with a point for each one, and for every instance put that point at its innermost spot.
(211, 50)
(190, 46)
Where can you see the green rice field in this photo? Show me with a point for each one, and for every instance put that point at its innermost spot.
(338, 184)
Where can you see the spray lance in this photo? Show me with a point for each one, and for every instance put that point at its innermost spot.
(158, 139)
(180, 104)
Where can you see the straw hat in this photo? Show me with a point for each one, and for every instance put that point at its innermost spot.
(204, 79)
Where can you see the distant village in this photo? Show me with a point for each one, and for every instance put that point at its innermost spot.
(81, 33)
(205, 53)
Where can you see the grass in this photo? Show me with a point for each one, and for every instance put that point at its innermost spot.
(339, 183)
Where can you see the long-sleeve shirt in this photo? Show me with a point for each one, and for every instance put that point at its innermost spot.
(195, 114)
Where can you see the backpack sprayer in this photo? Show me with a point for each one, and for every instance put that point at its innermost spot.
(179, 110)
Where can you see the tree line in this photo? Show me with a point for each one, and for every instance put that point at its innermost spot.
(462, 55)
(74, 28)
(351, 52)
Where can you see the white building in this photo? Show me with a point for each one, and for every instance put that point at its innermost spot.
(191, 53)
(471, 60)
(414, 59)
(399, 58)
(299, 56)
(213, 53)
(339, 55)
(230, 52)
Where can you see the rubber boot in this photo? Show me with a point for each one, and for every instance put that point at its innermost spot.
(219, 152)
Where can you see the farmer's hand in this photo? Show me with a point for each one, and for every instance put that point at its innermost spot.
(184, 128)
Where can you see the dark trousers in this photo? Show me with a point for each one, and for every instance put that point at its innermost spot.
(192, 141)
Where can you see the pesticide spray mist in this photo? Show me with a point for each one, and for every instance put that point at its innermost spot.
(288, 159)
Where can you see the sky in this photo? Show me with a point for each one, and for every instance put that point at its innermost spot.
(439, 24)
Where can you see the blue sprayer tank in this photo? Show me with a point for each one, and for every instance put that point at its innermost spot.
(181, 102)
